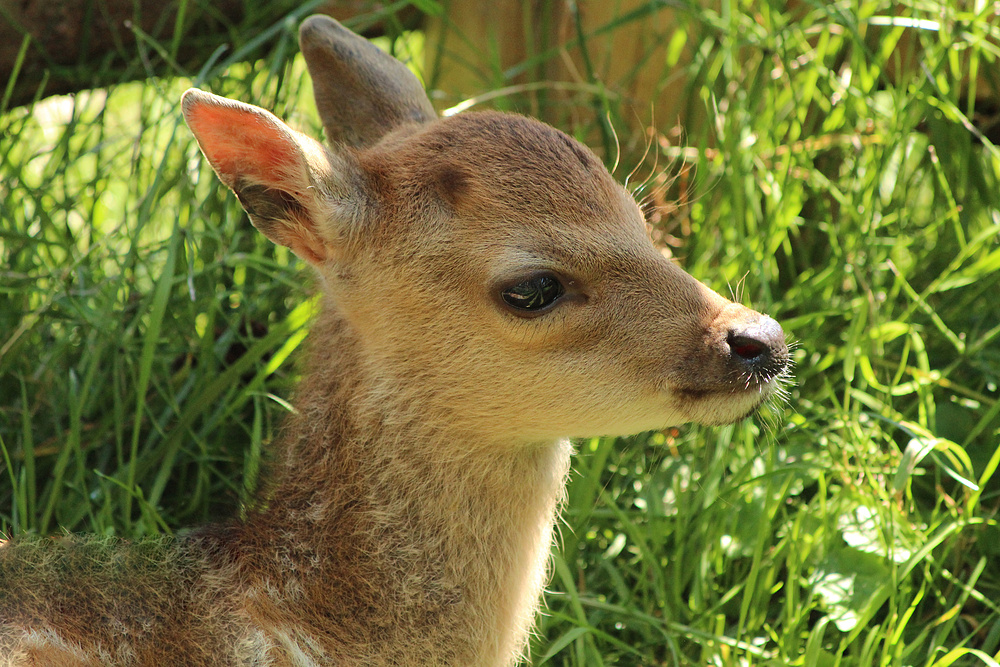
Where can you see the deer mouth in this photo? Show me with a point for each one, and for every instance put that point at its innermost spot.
(727, 403)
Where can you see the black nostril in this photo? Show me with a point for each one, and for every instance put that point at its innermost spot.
(746, 347)
(761, 343)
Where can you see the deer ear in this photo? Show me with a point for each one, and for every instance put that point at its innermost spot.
(295, 191)
(362, 93)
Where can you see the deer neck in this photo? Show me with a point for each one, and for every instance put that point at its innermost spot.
(418, 539)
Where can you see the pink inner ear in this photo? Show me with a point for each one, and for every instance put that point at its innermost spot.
(239, 142)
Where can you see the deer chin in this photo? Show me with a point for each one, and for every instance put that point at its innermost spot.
(721, 406)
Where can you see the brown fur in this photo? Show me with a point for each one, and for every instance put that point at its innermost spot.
(409, 517)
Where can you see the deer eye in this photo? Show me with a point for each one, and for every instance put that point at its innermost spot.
(534, 294)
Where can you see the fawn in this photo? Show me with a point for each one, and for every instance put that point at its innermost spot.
(489, 291)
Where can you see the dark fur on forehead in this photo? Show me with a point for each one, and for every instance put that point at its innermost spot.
(509, 137)
(452, 181)
(539, 168)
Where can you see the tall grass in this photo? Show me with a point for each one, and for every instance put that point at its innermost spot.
(831, 172)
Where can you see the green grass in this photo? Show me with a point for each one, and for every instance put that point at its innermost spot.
(146, 328)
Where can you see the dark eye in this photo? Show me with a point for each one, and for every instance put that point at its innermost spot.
(534, 294)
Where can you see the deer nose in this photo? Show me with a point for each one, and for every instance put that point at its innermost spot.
(758, 347)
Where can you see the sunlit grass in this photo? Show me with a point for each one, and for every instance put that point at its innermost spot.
(862, 212)
(145, 329)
